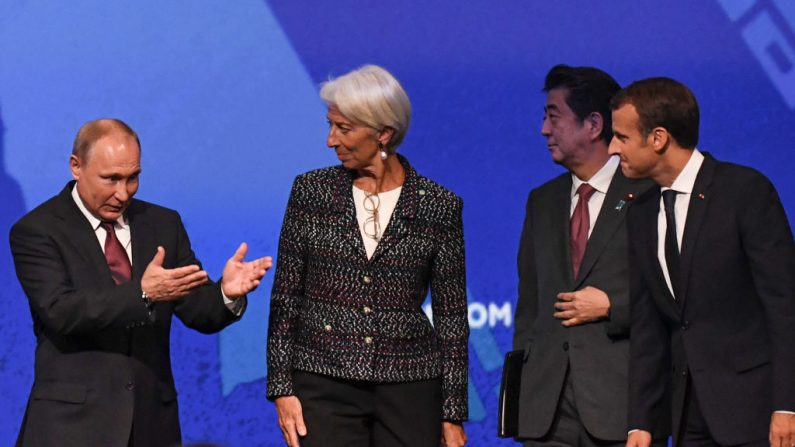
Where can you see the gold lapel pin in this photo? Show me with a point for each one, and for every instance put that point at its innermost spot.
(701, 195)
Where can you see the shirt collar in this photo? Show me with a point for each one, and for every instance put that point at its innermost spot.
(601, 180)
(92, 219)
(687, 178)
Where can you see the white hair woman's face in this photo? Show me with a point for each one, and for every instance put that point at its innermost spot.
(356, 145)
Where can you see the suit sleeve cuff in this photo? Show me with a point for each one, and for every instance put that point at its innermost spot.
(234, 306)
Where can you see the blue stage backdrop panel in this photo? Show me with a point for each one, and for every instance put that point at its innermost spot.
(224, 97)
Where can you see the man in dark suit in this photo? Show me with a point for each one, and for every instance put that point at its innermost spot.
(102, 323)
(572, 315)
(713, 290)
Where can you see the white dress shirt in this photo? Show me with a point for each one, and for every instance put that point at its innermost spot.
(386, 206)
(683, 185)
(123, 234)
(600, 182)
(121, 225)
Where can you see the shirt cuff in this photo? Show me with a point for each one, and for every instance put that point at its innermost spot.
(784, 412)
(234, 306)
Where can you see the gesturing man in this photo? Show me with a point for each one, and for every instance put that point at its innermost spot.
(104, 274)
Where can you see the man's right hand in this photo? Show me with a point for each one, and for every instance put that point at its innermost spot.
(291, 419)
(639, 438)
(161, 284)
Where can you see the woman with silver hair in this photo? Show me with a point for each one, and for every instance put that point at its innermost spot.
(352, 358)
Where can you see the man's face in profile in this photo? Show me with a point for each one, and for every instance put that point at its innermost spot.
(107, 176)
(566, 135)
(638, 158)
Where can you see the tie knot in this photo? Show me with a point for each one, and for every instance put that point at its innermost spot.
(669, 198)
(108, 226)
(585, 191)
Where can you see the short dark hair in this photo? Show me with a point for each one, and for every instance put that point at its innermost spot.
(588, 90)
(663, 102)
(92, 131)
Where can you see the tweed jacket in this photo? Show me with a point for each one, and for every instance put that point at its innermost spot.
(336, 313)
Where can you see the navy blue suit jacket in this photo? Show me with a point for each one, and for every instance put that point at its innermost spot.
(732, 330)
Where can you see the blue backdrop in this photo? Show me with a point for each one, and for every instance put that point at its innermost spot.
(224, 97)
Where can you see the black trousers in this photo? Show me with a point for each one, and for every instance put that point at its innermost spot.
(694, 432)
(352, 413)
(567, 430)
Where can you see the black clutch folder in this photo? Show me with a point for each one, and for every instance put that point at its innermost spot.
(508, 406)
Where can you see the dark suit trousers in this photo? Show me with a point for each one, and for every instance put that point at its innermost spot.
(351, 413)
(567, 430)
(694, 431)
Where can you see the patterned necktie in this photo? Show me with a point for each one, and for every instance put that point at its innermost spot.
(671, 244)
(116, 256)
(580, 224)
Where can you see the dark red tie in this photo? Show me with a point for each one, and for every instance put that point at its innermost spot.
(115, 255)
(580, 223)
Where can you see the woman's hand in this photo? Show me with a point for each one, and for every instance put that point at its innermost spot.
(453, 434)
(291, 419)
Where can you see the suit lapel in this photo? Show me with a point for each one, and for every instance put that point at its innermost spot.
(143, 242)
(344, 207)
(647, 214)
(82, 237)
(699, 201)
(612, 213)
(405, 210)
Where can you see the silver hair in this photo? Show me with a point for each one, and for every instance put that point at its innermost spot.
(370, 95)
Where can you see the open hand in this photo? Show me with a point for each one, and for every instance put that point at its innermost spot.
(161, 284)
(240, 277)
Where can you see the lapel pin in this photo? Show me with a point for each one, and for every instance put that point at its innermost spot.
(701, 196)
(630, 196)
(620, 205)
